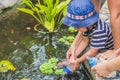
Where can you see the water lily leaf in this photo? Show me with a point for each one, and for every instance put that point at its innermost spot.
(3, 69)
(24, 79)
(6, 65)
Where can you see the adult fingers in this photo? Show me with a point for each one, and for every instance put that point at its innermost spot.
(99, 77)
(94, 69)
(100, 55)
(118, 52)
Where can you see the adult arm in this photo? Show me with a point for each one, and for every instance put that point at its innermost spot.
(114, 8)
(97, 4)
(104, 68)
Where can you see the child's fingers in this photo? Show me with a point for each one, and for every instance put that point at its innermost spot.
(68, 55)
(62, 63)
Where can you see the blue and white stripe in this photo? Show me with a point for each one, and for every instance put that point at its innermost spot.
(101, 36)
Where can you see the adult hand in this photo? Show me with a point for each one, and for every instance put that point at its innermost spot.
(101, 69)
(109, 58)
(118, 52)
(109, 54)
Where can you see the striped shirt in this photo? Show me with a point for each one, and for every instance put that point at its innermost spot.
(100, 36)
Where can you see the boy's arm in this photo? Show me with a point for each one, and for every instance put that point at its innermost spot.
(79, 49)
(79, 44)
(82, 46)
(91, 52)
(74, 45)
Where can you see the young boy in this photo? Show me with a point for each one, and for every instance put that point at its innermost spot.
(82, 16)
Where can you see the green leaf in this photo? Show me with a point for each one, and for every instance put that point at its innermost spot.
(56, 3)
(27, 2)
(46, 12)
(59, 71)
(28, 11)
(60, 7)
(50, 4)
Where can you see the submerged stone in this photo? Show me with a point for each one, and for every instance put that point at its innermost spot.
(7, 3)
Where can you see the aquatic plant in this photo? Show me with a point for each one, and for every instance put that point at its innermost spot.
(72, 30)
(48, 13)
(67, 39)
(24, 79)
(50, 67)
(6, 65)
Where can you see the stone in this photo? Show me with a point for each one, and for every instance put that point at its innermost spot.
(7, 3)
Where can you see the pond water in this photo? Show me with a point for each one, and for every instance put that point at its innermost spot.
(27, 49)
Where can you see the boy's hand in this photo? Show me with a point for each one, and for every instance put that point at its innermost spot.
(76, 66)
(75, 63)
(68, 55)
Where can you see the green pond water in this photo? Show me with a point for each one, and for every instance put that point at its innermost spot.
(27, 49)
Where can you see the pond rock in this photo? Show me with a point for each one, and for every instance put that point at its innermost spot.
(7, 3)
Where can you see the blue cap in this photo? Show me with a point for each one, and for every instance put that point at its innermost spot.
(67, 70)
(80, 13)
